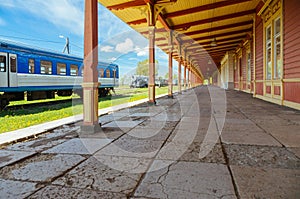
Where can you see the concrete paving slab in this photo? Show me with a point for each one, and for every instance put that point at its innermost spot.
(94, 175)
(261, 156)
(10, 189)
(41, 168)
(54, 192)
(187, 180)
(80, 146)
(249, 138)
(266, 183)
(8, 157)
(289, 135)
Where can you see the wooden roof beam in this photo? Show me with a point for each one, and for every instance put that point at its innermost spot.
(227, 40)
(204, 8)
(220, 35)
(234, 25)
(185, 26)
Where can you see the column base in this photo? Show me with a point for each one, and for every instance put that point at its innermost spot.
(170, 96)
(151, 103)
(89, 129)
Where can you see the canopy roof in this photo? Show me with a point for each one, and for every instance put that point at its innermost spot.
(195, 25)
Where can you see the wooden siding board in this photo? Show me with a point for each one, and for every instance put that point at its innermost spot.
(291, 40)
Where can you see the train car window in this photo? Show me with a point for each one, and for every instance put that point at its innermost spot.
(107, 73)
(2, 63)
(74, 70)
(61, 69)
(101, 72)
(46, 67)
(31, 65)
(13, 64)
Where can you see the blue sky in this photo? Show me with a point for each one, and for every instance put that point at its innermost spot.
(40, 23)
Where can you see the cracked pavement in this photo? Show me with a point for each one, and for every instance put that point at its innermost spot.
(251, 150)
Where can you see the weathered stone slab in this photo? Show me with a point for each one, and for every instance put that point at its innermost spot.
(261, 156)
(186, 180)
(129, 146)
(80, 146)
(266, 183)
(94, 175)
(37, 145)
(122, 124)
(10, 189)
(8, 157)
(54, 192)
(41, 168)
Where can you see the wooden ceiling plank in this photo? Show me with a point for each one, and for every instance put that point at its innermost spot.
(125, 5)
(203, 8)
(185, 26)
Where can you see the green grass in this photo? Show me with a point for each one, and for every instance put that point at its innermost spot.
(16, 119)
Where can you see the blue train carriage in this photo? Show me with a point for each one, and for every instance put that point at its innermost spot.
(38, 74)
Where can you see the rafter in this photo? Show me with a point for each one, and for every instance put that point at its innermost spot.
(243, 31)
(185, 26)
(234, 25)
(203, 8)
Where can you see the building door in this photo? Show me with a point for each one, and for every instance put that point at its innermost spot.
(8, 70)
(3, 70)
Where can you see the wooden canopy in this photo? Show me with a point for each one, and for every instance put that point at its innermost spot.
(203, 30)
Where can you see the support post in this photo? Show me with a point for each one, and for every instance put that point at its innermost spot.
(90, 78)
(170, 80)
(151, 85)
(179, 75)
(188, 78)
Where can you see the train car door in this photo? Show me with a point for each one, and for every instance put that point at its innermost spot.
(3, 70)
(12, 73)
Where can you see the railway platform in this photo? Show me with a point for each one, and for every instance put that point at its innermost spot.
(203, 143)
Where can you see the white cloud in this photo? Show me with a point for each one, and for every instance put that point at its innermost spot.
(125, 47)
(112, 59)
(66, 14)
(107, 49)
(141, 51)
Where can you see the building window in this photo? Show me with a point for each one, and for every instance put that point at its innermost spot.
(13, 64)
(2, 63)
(268, 53)
(248, 67)
(46, 67)
(277, 49)
(30, 65)
(74, 70)
(107, 73)
(61, 69)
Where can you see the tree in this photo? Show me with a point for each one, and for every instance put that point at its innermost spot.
(175, 76)
(143, 68)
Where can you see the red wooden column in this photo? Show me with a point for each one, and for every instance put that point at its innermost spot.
(90, 77)
(179, 75)
(170, 81)
(151, 29)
